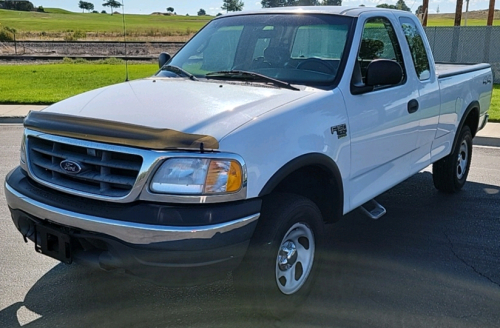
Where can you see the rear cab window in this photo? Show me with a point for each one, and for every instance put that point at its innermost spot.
(417, 48)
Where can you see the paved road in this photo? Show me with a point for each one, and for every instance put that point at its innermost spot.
(432, 261)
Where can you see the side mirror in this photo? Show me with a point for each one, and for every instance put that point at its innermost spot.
(163, 59)
(383, 72)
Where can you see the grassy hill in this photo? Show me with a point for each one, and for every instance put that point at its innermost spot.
(57, 11)
(59, 24)
(474, 18)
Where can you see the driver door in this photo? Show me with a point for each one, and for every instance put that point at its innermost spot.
(383, 132)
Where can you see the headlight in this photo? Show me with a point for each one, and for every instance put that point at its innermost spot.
(198, 176)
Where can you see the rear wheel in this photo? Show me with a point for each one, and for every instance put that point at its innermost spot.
(281, 263)
(449, 174)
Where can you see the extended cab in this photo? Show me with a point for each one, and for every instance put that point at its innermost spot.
(262, 128)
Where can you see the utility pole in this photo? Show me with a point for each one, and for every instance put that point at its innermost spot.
(425, 11)
(491, 12)
(458, 13)
(466, 12)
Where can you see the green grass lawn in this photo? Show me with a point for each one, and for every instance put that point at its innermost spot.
(49, 83)
(495, 104)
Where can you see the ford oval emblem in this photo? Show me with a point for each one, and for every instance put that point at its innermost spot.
(71, 167)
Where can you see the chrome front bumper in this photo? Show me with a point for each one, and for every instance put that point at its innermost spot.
(129, 232)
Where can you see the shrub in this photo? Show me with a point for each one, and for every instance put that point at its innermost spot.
(112, 61)
(6, 36)
(78, 34)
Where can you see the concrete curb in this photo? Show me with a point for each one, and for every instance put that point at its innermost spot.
(12, 120)
(486, 141)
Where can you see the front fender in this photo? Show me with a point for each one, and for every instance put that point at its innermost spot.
(299, 133)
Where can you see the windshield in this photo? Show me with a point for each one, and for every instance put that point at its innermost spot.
(300, 49)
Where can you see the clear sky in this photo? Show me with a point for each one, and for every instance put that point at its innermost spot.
(212, 7)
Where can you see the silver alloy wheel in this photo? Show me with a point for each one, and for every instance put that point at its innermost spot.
(295, 258)
(463, 158)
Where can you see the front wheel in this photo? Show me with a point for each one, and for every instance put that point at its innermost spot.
(278, 270)
(449, 174)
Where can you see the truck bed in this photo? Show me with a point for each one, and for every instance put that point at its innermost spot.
(450, 69)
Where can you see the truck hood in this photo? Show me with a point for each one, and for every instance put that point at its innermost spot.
(194, 107)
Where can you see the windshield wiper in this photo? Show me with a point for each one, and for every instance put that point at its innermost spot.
(179, 71)
(245, 75)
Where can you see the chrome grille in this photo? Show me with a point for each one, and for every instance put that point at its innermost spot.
(103, 172)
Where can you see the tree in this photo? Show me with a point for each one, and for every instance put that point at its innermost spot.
(84, 5)
(307, 2)
(270, 3)
(332, 2)
(400, 4)
(232, 5)
(202, 12)
(111, 3)
(278, 3)
(18, 5)
(387, 6)
(287, 3)
(170, 9)
(420, 10)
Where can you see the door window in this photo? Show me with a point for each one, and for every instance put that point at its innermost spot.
(379, 41)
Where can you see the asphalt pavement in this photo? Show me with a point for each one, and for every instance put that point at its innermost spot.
(489, 136)
(432, 261)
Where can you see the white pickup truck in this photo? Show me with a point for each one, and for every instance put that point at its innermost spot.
(262, 128)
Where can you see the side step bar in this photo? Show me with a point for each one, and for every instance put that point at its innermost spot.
(373, 209)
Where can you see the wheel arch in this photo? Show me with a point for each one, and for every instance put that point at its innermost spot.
(469, 118)
(315, 176)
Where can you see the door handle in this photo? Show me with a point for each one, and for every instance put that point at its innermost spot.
(412, 106)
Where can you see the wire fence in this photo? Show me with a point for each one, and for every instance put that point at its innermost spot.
(466, 44)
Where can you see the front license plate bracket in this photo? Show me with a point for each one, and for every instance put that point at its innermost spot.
(53, 243)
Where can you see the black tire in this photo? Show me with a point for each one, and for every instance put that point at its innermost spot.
(289, 225)
(450, 173)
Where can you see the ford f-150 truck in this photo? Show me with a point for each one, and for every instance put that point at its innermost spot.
(265, 126)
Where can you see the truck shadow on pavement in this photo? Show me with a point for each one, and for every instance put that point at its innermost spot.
(432, 261)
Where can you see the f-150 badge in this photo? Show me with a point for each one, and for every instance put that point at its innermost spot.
(340, 129)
